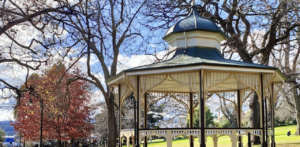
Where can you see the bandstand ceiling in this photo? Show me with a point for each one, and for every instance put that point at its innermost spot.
(169, 85)
(229, 85)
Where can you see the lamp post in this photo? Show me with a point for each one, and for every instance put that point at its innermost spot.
(20, 140)
(41, 130)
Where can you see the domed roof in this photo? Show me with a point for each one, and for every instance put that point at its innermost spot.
(194, 22)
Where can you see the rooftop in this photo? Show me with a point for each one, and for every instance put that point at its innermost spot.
(198, 56)
(193, 22)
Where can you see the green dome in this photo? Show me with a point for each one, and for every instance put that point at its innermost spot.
(194, 22)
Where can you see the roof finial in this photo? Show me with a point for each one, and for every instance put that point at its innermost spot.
(193, 3)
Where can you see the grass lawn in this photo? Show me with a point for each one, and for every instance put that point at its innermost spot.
(282, 140)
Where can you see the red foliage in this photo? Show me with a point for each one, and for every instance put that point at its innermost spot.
(66, 109)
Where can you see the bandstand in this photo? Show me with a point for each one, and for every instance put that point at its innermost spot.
(196, 71)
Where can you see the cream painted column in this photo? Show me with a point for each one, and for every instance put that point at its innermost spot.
(128, 141)
(233, 139)
(215, 139)
(133, 143)
(169, 138)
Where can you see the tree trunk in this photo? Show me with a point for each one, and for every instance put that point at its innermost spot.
(255, 117)
(298, 122)
(112, 125)
(234, 122)
(297, 108)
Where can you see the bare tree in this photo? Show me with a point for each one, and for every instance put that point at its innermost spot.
(286, 57)
(104, 26)
(85, 28)
(101, 124)
(28, 33)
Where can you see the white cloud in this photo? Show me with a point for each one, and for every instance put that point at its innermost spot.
(6, 114)
(137, 60)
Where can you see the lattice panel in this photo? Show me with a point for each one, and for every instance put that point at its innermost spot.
(255, 132)
(218, 132)
(187, 79)
(133, 80)
(215, 133)
(168, 134)
(225, 87)
(250, 80)
(149, 82)
(215, 78)
(268, 78)
(148, 133)
(174, 88)
(242, 132)
(132, 83)
(125, 91)
(195, 133)
(232, 133)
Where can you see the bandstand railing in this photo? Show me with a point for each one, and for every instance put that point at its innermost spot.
(233, 133)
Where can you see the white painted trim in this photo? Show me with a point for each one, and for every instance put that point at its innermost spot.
(189, 68)
(116, 79)
(279, 76)
(240, 69)
(194, 38)
(196, 33)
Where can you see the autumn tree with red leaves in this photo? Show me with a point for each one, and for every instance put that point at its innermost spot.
(65, 102)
